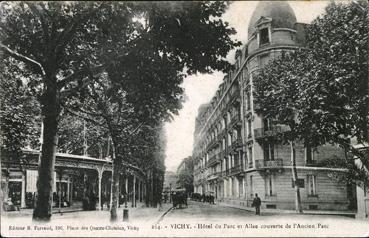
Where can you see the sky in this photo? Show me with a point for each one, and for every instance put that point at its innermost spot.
(201, 88)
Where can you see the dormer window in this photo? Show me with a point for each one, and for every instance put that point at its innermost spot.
(264, 36)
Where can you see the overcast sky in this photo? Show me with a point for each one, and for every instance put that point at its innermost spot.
(200, 89)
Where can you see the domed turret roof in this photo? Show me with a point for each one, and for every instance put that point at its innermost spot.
(280, 11)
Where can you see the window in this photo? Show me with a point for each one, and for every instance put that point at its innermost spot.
(312, 185)
(267, 124)
(268, 151)
(269, 184)
(229, 141)
(228, 117)
(264, 36)
(223, 143)
(248, 101)
(300, 182)
(223, 122)
(235, 135)
(249, 128)
(240, 187)
(250, 157)
(309, 155)
(251, 187)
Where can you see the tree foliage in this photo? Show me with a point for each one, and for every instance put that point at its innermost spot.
(322, 90)
(19, 112)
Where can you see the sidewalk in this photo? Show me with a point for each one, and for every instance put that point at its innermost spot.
(140, 213)
(280, 211)
(29, 211)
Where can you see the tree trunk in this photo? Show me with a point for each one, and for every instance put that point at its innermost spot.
(115, 188)
(152, 186)
(147, 189)
(50, 112)
(295, 179)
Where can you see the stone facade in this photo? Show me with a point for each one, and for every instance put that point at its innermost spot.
(235, 156)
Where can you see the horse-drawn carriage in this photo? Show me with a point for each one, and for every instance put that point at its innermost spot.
(179, 197)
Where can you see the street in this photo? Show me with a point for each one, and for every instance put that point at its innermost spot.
(202, 219)
(204, 212)
(198, 219)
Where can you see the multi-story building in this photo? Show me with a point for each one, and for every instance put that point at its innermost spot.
(186, 164)
(235, 152)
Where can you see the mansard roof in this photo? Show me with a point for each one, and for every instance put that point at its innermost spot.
(279, 12)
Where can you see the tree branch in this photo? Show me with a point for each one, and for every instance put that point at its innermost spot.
(67, 92)
(37, 12)
(23, 58)
(136, 129)
(80, 74)
(90, 113)
(83, 117)
(68, 33)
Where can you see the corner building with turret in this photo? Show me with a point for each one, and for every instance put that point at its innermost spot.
(234, 151)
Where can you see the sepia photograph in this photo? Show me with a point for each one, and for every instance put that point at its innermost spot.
(184, 118)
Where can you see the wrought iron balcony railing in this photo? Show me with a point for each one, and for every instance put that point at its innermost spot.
(268, 164)
(215, 158)
(214, 175)
(261, 133)
(236, 169)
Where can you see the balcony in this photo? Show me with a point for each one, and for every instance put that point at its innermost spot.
(235, 121)
(214, 175)
(261, 133)
(222, 133)
(268, 164)
(213, 159)
(237, 143)
(236, 169)
(212, 143)
(312, 163)
(221, 154)
(225, 173)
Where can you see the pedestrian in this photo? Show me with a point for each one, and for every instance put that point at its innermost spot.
(256, 203)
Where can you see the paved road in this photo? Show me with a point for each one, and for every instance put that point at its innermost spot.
(204, 212)
(201, 219)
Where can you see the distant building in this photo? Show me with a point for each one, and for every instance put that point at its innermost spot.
(170, 181)
(185, 174)
(186, 163)
(234, 151)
